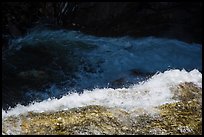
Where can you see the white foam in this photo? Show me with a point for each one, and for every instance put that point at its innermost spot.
(146, 95)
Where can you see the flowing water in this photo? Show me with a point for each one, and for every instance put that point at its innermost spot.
(55, 70)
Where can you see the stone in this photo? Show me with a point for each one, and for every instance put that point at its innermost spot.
(179, 118)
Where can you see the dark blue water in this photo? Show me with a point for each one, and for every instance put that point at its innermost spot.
(36, 65)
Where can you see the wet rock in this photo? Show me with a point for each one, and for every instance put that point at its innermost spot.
(187, 91)
(86, 120)
(183, 117)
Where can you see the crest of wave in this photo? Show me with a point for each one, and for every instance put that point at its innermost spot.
(145, 95)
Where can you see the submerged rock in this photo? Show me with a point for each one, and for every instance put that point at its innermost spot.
(180, 118)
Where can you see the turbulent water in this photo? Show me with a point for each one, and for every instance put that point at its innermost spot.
(147, 95)
(123, 72)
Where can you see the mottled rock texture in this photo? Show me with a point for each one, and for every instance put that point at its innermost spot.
(180, 118)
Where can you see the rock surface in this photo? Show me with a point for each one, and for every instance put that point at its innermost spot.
(180, 118)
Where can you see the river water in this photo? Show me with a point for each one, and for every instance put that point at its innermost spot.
(52, 70)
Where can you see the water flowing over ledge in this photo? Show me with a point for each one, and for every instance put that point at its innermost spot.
(97, 119)
(146, 95)
(74, 75)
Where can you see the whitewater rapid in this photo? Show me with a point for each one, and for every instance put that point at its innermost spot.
(101, 61)
(146, 95)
